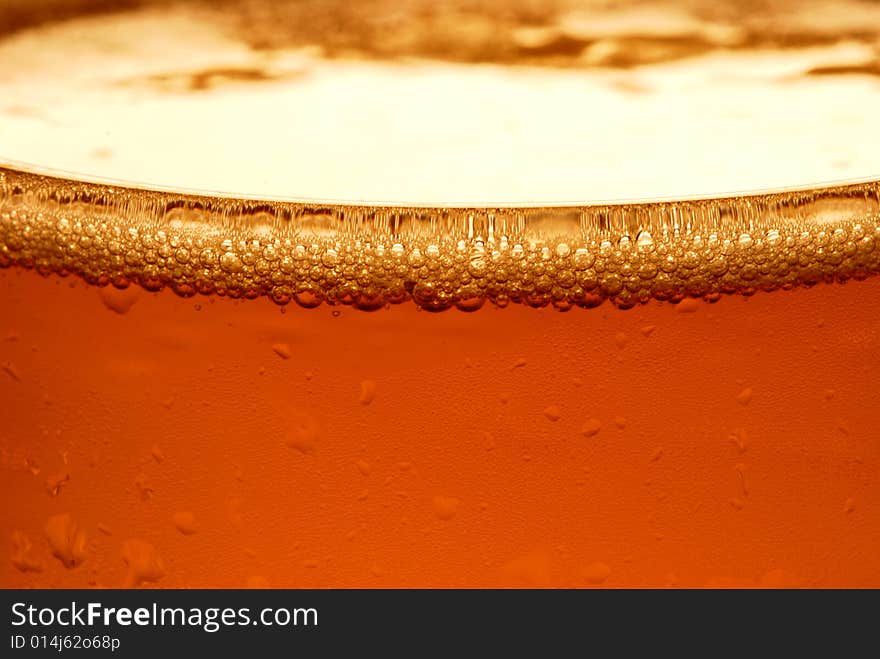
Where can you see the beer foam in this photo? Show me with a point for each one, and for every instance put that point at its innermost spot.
(439, 257)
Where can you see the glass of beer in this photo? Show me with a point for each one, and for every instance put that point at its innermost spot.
(451, 294)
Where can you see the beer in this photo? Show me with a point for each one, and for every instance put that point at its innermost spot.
(474, 384)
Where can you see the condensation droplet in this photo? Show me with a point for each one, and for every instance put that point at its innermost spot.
(745, 396)
(688, 305)
(282, 350)
(119, 300)
(368, 392)
(24, 557)
(67, 541)
(597, 573)
(143, 561)
(303, 433)
(591, 427)
(184, 522)
(445, 507)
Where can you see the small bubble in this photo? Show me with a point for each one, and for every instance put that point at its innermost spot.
(519, 363)
(849, 505)
(656, 455)
(745, 396)
(282, 350)
(737, 503)
(364, 467)
(230, 262)
(620, 340)
(553, 413)
(620, 422)
(828, 394)
(648, 330)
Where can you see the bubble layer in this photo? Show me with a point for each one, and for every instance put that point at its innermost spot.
(371, 256)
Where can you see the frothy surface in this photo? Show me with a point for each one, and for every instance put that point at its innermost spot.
(438, 257)
(381, 105)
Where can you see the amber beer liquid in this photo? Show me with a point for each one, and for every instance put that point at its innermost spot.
(163, 428)
(218, 390)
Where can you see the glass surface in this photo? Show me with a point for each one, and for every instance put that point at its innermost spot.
(244, 387)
